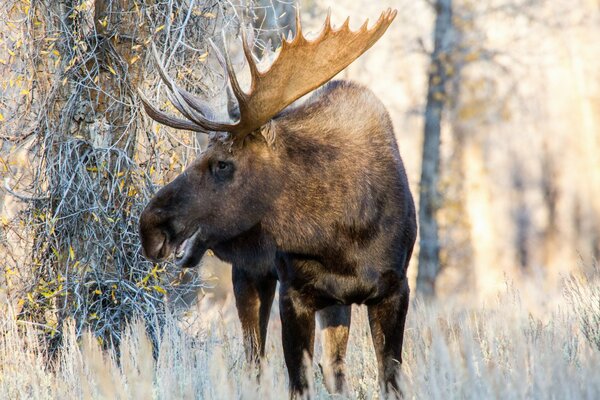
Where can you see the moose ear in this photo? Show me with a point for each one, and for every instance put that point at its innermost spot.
(269, 132)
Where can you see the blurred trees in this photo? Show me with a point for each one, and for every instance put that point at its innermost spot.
(491, 95)
(429, 199)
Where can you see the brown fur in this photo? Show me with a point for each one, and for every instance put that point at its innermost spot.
(317, 198)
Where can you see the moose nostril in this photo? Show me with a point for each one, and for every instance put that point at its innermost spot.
(162, 251)
(154, 244)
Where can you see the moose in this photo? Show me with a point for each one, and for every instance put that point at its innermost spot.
(313, 195)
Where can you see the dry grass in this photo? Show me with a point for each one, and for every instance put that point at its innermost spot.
(497, 350)
(543, 346)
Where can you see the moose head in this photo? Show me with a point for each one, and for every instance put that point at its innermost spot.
(239, 180)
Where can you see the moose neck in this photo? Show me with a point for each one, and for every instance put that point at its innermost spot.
(305, 204)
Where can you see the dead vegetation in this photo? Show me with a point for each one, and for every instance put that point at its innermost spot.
(452, 350)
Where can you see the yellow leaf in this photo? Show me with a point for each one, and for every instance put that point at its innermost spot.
(3, 61)
(112, 71)
(25, 92)
(143, 281)
(1, 117)
(71, 253)
(159, 289)
(209, 15)
(134, 59)
(98, 291)
(160, 28)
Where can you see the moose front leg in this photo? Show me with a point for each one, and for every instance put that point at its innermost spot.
(298, 332)
(334, 323)
(387, 320)
(253, 300)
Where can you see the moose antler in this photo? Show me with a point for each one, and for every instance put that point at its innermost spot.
(302, 66)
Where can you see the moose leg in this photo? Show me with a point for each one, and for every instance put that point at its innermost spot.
(334, 322)
(387, 320)
(298, 333)
(253, 300)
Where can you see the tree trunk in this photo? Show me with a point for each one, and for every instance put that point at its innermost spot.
(429, 259)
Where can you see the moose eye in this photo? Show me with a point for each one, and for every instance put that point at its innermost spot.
(222, 170)
(222, 165)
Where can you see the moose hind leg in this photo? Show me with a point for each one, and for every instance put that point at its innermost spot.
(334, 323)
(298, 332)
(387, 320)
(253, 299)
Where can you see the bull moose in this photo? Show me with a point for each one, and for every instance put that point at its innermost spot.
(313, 195)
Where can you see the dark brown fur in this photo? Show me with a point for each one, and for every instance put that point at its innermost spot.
(317, 198)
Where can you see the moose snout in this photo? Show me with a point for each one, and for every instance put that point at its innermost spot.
(156, 248)
(155, 242)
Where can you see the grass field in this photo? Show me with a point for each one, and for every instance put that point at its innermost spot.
(504, 349)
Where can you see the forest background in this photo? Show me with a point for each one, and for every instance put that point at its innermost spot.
(496, 108)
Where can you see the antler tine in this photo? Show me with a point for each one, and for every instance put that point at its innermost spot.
(173, 88)
(232, 106)
(192, 107)
(235, 85)
(327, 26)
(220, 59)
(166, 119)
(249, 58)
(299, 33)
(301, 66)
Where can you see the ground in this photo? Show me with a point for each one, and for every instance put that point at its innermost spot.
(453, 349)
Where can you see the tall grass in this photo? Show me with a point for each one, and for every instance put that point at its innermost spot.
(452, 350)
